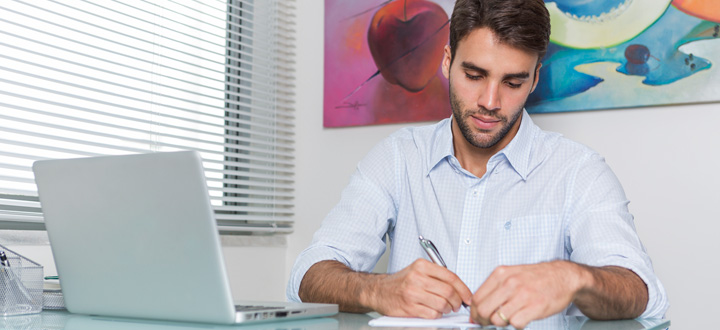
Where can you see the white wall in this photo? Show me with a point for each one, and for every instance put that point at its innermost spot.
(666, 157)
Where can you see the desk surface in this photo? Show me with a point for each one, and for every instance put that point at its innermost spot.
(65, 321)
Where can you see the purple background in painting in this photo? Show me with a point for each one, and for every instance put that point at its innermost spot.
(351, 96)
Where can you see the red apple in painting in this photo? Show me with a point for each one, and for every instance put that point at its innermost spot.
(406, 39)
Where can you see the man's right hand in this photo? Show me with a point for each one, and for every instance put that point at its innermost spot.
(422, 289)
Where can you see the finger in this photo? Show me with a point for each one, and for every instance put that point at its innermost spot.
(492, 282)
(499, 318)
(415, 301)
(476, 318)
(505, 288)
(526, 307)
(461, 289)
(451, 300)
(525, 315)
(425, 312)
(508, 311)
(451, 278)
(416, 310)
(482, 312)
(452, 287)
(455, 291)
(486, 307)
(435, 301)
(430, 291)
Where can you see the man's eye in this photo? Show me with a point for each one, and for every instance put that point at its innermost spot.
(472, 77)
(514, 85)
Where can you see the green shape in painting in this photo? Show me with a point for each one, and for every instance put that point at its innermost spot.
(605, 28)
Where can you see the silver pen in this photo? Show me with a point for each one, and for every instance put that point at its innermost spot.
(434, 255)
(432, 251)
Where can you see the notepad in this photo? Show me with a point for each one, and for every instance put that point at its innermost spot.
(558, 321)
(447, 321)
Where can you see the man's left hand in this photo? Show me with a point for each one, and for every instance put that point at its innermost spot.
(516, 295)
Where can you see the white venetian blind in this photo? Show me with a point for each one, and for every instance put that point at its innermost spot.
(100, 77)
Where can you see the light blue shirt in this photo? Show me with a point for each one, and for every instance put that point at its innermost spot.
(542, 198)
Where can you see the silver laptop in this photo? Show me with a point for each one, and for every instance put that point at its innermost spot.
(135, 236)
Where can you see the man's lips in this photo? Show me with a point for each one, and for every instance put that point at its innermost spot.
(485, 122)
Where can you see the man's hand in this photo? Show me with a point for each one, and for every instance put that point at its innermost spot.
(516, 295)
(422, 289)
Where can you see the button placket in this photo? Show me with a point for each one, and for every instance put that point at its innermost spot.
(468, 263)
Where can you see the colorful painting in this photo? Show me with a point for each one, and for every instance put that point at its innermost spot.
(628, 53)
(382, 61)
(382, 58)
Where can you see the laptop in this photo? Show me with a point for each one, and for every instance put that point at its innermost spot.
(135, 236)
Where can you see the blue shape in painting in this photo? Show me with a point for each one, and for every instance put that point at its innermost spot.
(582, 8)
(653, 54)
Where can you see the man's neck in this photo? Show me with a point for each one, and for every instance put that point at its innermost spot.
(474, 159)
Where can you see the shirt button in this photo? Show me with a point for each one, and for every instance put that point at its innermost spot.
(508, 225)
(475, 192)
(467, 241)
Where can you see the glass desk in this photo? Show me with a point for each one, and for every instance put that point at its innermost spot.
(61, 320)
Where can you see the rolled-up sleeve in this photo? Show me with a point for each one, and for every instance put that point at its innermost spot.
(601, 231)
(353, 233)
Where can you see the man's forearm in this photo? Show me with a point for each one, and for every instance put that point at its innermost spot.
(330, 281)
(612, 293)
(422, 289)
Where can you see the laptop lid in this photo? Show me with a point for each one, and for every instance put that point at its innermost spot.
(135, 236)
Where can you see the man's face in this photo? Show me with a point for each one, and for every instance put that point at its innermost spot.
(489, 84)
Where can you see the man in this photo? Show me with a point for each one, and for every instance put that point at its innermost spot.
(529, 223)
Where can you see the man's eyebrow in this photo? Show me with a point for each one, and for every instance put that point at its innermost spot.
(473, 67)
(519, 75)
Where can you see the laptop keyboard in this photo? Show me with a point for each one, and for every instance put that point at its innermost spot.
(248, 308)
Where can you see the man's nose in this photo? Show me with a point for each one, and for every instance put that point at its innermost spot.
(490, 97)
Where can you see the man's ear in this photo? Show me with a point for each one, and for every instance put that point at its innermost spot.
(537, 77)
(447, 59)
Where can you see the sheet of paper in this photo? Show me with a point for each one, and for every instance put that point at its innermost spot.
(447, 321)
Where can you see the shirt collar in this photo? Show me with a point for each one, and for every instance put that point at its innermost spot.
(442, 144)
(517, 152)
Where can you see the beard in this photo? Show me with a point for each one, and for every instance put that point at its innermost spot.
(480, 138)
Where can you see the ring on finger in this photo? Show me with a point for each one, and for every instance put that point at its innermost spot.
(502, 316)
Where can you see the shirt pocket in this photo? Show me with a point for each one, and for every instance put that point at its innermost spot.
(531, 239)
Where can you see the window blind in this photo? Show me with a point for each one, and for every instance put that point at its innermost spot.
(98, 77)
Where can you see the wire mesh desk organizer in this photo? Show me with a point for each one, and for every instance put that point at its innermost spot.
(21, 284)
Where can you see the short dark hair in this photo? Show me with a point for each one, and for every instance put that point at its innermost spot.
(523, 24)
